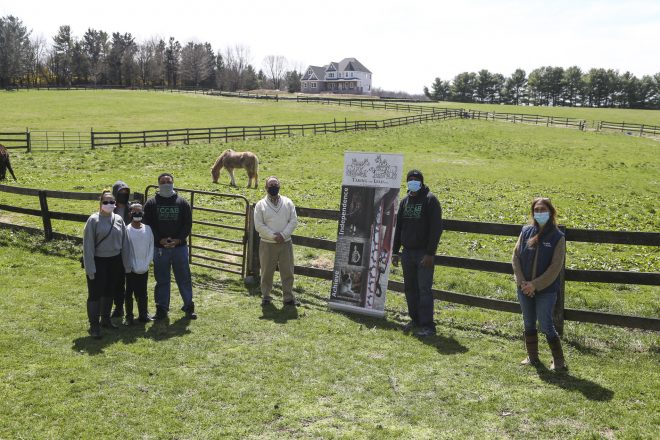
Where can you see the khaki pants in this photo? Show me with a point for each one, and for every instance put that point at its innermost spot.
(270, 256)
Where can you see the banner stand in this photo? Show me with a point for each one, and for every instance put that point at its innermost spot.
(354, 309)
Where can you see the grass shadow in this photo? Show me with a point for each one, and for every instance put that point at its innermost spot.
(278, 316)
(589, 389)
(444, 344)
(162, 330)
(92, 346)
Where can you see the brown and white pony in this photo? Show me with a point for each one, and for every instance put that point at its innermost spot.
(5, 164)
(231, 159)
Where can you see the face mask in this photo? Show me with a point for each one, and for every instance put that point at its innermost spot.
(137, 216)
(414, 185)
(166, 189)
(122, 198)
(107, 208)
(541, 217)
(273, 190)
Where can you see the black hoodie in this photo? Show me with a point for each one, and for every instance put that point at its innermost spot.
(419, 222)
(121, 211)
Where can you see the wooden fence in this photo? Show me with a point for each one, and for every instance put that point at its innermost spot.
(561, 313)
(630, 128)
(548, 121)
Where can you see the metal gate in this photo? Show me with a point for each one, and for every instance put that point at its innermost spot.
(219, 234)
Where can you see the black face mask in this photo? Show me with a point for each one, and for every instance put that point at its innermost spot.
(122, 198)
(273, 190)
(137, 215)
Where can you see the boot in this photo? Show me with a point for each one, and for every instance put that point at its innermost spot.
(93, 313)
(558, 362)
(190, 310)
(106, 307)
(143, 309)
(128, 304)
(532, 346)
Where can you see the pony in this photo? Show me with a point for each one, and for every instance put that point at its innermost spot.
(231, 159)
(5, 164)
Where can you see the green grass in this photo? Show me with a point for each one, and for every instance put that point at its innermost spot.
(126, 110)
(240, 372)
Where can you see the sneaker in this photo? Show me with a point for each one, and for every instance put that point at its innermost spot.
(267, 300)
(293, 302)
(190, 311)
(408, 326)
(145, 318)
(129, 320)
(423, 332)
(117, 313)
(160, 315)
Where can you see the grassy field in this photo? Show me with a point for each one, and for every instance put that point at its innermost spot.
(126, 110)
(243, 371)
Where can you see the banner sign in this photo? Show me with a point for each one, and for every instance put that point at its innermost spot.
(369, 202)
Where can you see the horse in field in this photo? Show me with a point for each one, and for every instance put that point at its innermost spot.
(5, 164)
(231, 159)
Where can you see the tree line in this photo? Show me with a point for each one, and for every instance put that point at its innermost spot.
(551, 86)
(100, 58)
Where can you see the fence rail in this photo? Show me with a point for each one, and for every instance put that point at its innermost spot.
(627, 127)
(521, 118)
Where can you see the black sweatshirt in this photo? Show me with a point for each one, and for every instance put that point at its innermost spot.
(168, 217)
(419, 222)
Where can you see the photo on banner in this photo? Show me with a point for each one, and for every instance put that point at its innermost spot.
(368, 207)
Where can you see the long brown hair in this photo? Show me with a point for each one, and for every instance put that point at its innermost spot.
(552, 221)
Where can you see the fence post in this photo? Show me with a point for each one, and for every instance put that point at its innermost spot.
(91, 138)
(28, 139)
(144, 138)
(641, 130)
(187, 136)
(558, 311)
(45, 216)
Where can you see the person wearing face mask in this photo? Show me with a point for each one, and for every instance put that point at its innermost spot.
(121, 193)
(170, 218)
(106, 256)
(141, 242)
(275, 220)
(418, 230)
(537, 261)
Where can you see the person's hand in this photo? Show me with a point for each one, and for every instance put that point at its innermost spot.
(164, 241)
(427, 261)
(279, 238)
(528, 289)
(395, 259)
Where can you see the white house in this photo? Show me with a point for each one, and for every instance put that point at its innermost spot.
(347, 76)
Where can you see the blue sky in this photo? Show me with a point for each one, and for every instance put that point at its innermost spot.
(406, 44)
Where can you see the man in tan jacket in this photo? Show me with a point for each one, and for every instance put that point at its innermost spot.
(275, 219)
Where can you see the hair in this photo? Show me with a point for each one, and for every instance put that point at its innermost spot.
(166, 174)
(552, 221)
(272, 177)
(103, 194)
(134, 205)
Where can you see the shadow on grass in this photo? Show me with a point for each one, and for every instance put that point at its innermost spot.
(158, 331)
(590, 390)
(278, 316)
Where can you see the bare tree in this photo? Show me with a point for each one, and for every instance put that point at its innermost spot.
(37, 57)
(236, 59)
(275, 67)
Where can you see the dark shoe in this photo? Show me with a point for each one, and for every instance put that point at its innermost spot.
(160, 314)
(267, 300)
(532, 347)
(409, 326)
(129, 320)
(424, 331)
(107, 323)
(106, 307)
(558, 362)
(293, 302)
(145, 318)
(118, 312)
(190, 311)
(94, 331)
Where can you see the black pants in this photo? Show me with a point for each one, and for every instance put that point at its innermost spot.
(109, 276)
(119, 294)
(136, 284)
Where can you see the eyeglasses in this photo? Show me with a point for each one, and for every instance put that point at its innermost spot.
(108, 202)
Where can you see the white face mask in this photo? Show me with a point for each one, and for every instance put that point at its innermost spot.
(108, 208)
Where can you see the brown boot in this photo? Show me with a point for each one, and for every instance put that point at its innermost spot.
(532, 346)
(558, 362)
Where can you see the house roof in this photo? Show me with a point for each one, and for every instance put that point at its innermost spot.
(318, 71)
(353, 65)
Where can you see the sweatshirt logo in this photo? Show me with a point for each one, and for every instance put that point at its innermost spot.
(413, 211)
(168, 213)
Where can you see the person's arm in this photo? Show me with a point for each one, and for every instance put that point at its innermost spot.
(435, 226)
(89, 247)
(291, 224)
(515, 262)
(150, 251)
(126, 251)
(260, 225)
(552, 272)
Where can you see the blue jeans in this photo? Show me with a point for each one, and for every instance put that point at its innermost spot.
(177, 259)
(418, 281)
(540, 307)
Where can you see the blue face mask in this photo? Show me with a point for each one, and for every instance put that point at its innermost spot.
(541, 217)
(414, 185)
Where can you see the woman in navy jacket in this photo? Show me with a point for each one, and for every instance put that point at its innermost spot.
(537, 261)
